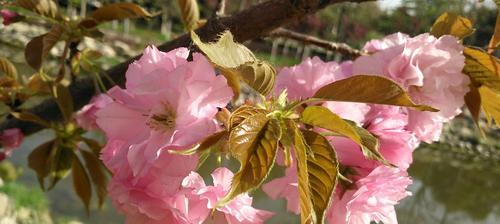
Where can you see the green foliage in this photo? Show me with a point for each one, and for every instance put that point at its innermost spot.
(25, 197)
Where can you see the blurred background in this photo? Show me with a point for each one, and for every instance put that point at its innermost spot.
(455, 181)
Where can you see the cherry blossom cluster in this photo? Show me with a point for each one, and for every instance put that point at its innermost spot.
(170, 103)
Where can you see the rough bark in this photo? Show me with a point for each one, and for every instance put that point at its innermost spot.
(254, 22)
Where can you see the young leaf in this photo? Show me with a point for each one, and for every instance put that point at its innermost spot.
(38, 161)
(259, 75)
(119, 11)
(27, 116)
(93, 145)
(473, 103)
(81, 182)
(322, 117)
(482, 68)
(452, 24)
(64, 100)
(8, 68)
(495, 39)
(60, 162)
(242, 113)
(323, 172)
(97, 175)
(490, 104)
(368, 89)
(47, 8)
(39, 47)
(190, 13)
(307, 212)
(205, 145)
(254, 142)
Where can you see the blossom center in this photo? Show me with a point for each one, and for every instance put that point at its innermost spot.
(162, 119)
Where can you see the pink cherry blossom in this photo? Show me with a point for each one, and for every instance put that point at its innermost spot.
(9, 17)
(86, 117)
(239, 210)
(429, 68)
(303, 80)
(168, 103)
(10, 139)
(373, 198)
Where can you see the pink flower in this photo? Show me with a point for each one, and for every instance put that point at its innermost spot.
(303, 80)
(285, 187)
(239, 210)
(86, 117)
(388, 124)
(429, 69)
(9, 17)
(168, 103)
(148, 199)
(373, 198)
(9, 140)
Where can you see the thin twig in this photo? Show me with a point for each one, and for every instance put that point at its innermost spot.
(307, 39)
(60, 75)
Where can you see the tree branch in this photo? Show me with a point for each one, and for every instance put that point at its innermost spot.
(307, 39)
(254, 22)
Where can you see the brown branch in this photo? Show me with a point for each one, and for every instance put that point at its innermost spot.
(307, 39)
(251, 23)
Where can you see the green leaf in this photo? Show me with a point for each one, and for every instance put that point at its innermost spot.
(47, 8)
(81, 182)
(39, 47)
(119, 11)
(8, 68)
(307, 213)
(322, 172)
(254, 142)
(97, 174)
(27, 116)
(482, 68)
(64, 101)
(490, 104)
(60, 162)
(93, 145)
(190, 13)
(38, 161)
(323, 118)
(243, 112)
(369, 89)
(452, 24)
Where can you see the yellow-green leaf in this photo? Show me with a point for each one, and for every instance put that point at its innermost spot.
(490, 102)
(322, 172)
(38, 161)
(307, 213)
(207, 143)
(322, 117)
(81, 182)
(452, 24)
(369, 89)
(97, 175)
(47, 8)
(39, 47)
(190, 13)
(254, 142)
(8, 68)
(64, 100)
(119, 11)
(482, 68)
